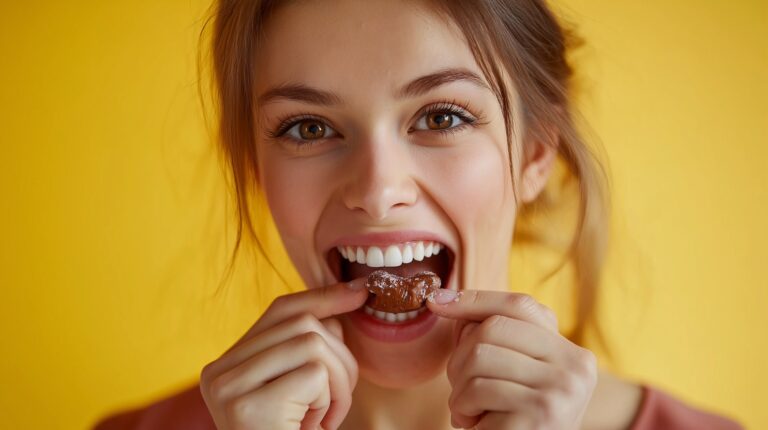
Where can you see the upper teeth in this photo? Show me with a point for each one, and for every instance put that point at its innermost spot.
(392, 255)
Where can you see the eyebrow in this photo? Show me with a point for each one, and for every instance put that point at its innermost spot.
(419, 86)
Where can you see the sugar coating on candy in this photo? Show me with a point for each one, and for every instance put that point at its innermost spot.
(394, 293)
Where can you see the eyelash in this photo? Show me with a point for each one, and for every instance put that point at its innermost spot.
(461, 110)
(452, 108)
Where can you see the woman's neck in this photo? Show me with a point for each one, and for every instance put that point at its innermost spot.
(378, 408)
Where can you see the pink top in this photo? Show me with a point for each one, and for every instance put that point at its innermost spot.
(187, 410)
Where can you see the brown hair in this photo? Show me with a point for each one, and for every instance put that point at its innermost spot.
(521, 39)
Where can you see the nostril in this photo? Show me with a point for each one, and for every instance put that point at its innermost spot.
(378, 192)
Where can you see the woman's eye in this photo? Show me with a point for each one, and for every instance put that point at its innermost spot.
(440, 121)
(310, 129)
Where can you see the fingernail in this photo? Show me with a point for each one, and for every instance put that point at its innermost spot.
(356, 284)
(444, 296)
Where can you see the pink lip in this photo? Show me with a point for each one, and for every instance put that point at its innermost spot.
(387, 238)
(393, 332)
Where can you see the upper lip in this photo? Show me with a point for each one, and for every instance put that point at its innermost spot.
(387, 238)
(383, 239)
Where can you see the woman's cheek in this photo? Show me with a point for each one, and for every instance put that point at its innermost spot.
(295, 198)
(472, 184)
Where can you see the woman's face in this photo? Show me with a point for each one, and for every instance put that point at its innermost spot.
(390, 137)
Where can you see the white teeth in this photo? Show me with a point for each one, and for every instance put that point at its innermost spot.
(360, 256)
(418, 251)
(407, 253)
(374, 258)
(391, 256)
(393, 317)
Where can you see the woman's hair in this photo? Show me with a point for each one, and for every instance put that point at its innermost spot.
(521, 39)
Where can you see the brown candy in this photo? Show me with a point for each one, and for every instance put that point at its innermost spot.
(394, 293)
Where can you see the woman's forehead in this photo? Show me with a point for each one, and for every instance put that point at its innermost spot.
(352, 46)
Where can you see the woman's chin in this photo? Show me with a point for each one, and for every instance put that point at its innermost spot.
(397, 379)
(398, 365)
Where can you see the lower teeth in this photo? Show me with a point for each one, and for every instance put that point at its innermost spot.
(393, 317)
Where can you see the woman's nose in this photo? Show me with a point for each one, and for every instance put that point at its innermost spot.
(380, 179)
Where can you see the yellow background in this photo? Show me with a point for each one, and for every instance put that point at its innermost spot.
(113, 208)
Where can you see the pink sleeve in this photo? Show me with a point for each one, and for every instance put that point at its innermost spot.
(659, 410)
(184, 410)
(187, 410)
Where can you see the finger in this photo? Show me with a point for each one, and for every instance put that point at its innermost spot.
(518, 335)
(490, 394)
(491, 361)
(302, 323)
(478, 305)
(291, 394)
(461, 329)
(334, 327)
(322, 302)
(463, 422)
(283, 358)
(316, 395)
(506, 421)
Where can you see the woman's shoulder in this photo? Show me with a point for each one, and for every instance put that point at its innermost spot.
(621, 404)
(616, 404)
(184, 409)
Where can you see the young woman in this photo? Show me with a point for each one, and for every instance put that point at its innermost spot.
(406, 136)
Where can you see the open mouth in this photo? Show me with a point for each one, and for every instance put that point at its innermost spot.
(402, 259)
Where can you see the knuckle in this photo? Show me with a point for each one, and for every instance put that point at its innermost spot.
(313, 341)
(475, 386)
(451, 370)
(465, 330)
(522, 301)
(217, 388)
(547, 406)
(550, 314)
(586, 362)
(476, 356)
(240, 410)
(452, 399)
(306, 321)
(317, 371)
(206, 374)
(464, 393)
(570, 383)
(490, 325)
(558, 375)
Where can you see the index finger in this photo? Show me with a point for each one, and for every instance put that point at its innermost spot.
(321, 302)
(477, 305)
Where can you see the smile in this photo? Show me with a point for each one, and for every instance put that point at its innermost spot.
(348, 262)
(407, 258)
(392, 255)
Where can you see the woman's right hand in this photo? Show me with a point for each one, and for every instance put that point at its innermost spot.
(291, 370)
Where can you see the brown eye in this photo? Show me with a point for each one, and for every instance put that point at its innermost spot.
(439, 121)
(311, 130)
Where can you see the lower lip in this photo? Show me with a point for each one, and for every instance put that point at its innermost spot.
(393, 332)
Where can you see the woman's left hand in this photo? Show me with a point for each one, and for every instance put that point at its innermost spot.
(511, 368)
